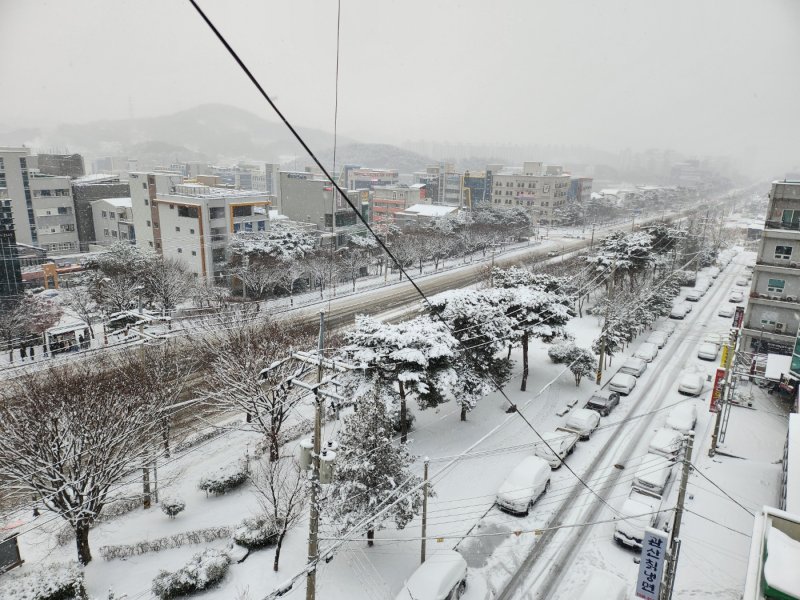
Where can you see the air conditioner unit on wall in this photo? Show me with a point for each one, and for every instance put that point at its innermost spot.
(780, 326)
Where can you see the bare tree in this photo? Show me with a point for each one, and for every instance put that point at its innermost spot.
(258, 277)
(83, 303)
(290, 271)
(13, 324)
(279, 486)
(352, 260)
(67, 435)
(167, 282)
(320, 267)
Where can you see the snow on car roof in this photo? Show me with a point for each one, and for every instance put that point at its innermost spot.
(437, 575)
(666, 439)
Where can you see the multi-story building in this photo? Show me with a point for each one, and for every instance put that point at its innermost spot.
(361, 178)
(538, 190)
(192, 222)
(69, 165)
(773, 311)
(476, 192)
(444, 184)
(580, 190)
(113, 221)
(388, 200)
(10, 271)
(87, 189)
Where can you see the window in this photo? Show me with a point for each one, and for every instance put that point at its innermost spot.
(546, 188)
(155, 224)
(151, 244)
(262, 225)
(177, 228)
(242, 211)
(194, 252)
(172, 207)
(112, 215)
(64, 210)
(113, 233)
(148, 223)
(248, 226)
(791, 218)
(105, 232)
(191, 231)
(23, 163)
(180, 250)
(105, 215)
(144, 185)
(237, 227)
(776, 285)
(123, 236)
(68, 227)
(783, 252)
(188, 211)
(146, 202)
(216, 213)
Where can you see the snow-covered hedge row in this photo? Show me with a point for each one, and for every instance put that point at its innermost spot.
(224, 479)
(197, 536)
(205, 435)
(256, 532)
(117, 508)
(51, 582)
(203, 570)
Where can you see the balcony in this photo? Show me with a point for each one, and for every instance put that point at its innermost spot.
(789, 226)
(779, 266)
(774, 299)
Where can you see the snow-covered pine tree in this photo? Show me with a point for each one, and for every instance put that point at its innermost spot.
(371, 472)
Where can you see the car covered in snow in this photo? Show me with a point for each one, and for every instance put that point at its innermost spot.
(667, 327)
(694, 295)
(602, 584)
(713, 272)
(690, 383)
(637, 513)
(659, 338)
(683, 417)
(443, 576)
(714, 338)
(583, 422)
(678, 312)
(653, 473)
(561, 443)
(633, 366)
(726, 311)
(647, 352)
(741, 281)
(665, 442)
(707, 351)
(523, 486)
(736, 297)
(602, 403)
(622, 383)
(703, 284)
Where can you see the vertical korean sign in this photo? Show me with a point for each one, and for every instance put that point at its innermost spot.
(651, 565)
(716, 391)
(738, 317)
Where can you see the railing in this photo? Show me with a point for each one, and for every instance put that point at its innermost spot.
(783, 264)
(775, 297)
(782, 225)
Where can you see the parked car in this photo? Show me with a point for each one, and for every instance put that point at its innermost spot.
(690, 384)
(741, 281)
(736, 297)
(726, 311)
(653, 473)
(688, 306)
(683, 417)
(562, 442)
(713, 272)
(583, 422)
(646, 352)
(622, 383)
(443, 576)
(714, 338)
(667, 327)
(666, 442)
(603, 404)
(637, 513)
(523, 486)
(659, 338)
(602, 584)
(678, 312)
(702, 284)
(633, 366)
(694, 295)
(707, 351)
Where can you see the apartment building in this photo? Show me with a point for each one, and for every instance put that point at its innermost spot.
(10, 270)
(539, 190)
(361, 178)
(444, 184)
(772, 317)
(69, 165)
(388, 200)
(113, 221)
(192, 222)
(580, 190)
(87, 189)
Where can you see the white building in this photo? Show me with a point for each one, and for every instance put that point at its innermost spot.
(423, 213)
(539, 190)
(113, 221)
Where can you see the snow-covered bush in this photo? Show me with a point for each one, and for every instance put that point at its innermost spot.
(51, 582)
(224, 479)
(172, 506)
(256, 532)
(197, 536)
(203, 570)
(580, 360)
(205, 435)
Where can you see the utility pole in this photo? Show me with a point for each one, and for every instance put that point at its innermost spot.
(491, 270)
(674, 536)
(313, 526)
(591, 242)
(726, 390)
(604, 331)
(702, 244)
(424, 510)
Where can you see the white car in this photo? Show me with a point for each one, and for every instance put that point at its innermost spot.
(659, 338)
(667, 327)
(633, 366)
(653, 473)
(646, 352)
(637, 513)
(443, 576)
(602, 584)
(523, 486)
(736, 297)
(683, 417)
(678, 312)
(741, 281)
(583, 422)
(688, 306)
(622, 383)
(666, 442)
(702, 284)
(690, 384)
(714, 338)
(694, 295)
(562, 444)
(713, 272)
(726, 311)
(707, 351)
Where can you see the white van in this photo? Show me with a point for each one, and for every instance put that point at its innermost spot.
(443, 576)
(523, 486)
(653, 473)
(583, 422)
(602, 584)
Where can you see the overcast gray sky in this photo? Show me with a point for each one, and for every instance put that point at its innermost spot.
(699, 76)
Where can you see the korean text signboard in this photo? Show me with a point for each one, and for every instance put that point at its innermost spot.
(738, 317)
(716, 391)
(651, 565)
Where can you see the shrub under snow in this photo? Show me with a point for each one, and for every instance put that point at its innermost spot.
(256, 532)
(197, 536)
(51, 582)
(203, 570)
(224, 479)
(172, 506)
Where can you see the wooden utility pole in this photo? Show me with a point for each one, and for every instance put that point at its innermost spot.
(604, 330)
(424, 511)
(674, 536)
(313, 522)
